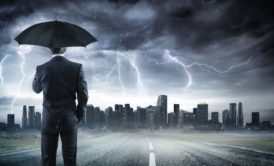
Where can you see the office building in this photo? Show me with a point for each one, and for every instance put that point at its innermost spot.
(215, 117)
(202, 114)
(38, 118)
(255, 119)
(240, 117)
(176, 111)
(24, 117)
(232, 115)
(31, 123)
(188, 119)
(226, 119)
(140, 117)
(90, 116)
(162, 104)
(109, 117)
(10, 120)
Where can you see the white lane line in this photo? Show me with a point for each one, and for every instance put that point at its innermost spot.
(150, 146)
(152, 161)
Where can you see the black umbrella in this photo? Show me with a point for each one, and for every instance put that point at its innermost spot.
(55, 34)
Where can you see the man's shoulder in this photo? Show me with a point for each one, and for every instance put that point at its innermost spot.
(68, 62)
(75, 64)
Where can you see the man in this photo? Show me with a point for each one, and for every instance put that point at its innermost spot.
(61, 80)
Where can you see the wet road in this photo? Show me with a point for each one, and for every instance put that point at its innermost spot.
(146, 149)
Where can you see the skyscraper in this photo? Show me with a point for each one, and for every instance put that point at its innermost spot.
(226, 119)
(31, 117)
(10, 120)
(215, 117)
(176, 111)
(109, 117)
(232, 115)
(195, 110)
(96, 117)
(90, 116)
(38, 120)
(255, 119)
(202, 114)
(162, 104)
(24, 117)
(240, 118)
(141, 117)
(176, 108)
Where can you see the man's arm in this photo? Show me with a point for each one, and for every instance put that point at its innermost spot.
(82, 94)
(37, 83)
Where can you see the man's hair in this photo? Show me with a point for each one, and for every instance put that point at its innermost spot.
(58, 50)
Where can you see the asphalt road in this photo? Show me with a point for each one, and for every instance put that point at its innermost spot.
(130, 149)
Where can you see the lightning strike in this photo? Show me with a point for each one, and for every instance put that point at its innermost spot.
(119, 73)
(174, 59)
(1, 70)
(140, 85)
(111, 72)
(22, 51)
(186, 67)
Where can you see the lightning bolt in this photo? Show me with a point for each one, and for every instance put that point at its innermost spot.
(230, 69)
(186, 67)
(22, 51)
(119, 72)
(1, 70)
(110, 72)
(140, 85)
(174, 59)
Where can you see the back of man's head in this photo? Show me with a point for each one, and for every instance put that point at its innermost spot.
(58, 50)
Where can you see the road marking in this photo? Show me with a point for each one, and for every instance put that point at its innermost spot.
(152, 161)
(150, 146)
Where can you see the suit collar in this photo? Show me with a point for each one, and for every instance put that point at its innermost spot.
(58, 58)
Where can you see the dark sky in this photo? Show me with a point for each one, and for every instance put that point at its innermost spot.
(199, 51)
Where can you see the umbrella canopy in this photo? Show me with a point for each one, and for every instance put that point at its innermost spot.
(55, 34)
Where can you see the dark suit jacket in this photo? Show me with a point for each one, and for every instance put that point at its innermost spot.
(61, 80)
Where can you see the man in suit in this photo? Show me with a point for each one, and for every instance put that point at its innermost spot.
(60, 80)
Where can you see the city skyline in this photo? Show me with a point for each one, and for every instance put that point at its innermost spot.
(232, 117)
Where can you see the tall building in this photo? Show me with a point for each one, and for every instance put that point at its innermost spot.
(176, 108)
(180, 123)
(226, 119)
(215, 117)
(171, 118)
(38, 118)
(176, 111)
(118, 114)
(195, 110)
(188, 119)
(232, 115)
(153, 114)
(96, 117)
(255, 118)
(90, 116)
(240, 118)
(10, 120)
(202, 114)
(24, 117)
(109, 117)
(162, 104)
(31, 119)
(101, 122)
(141, 117)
